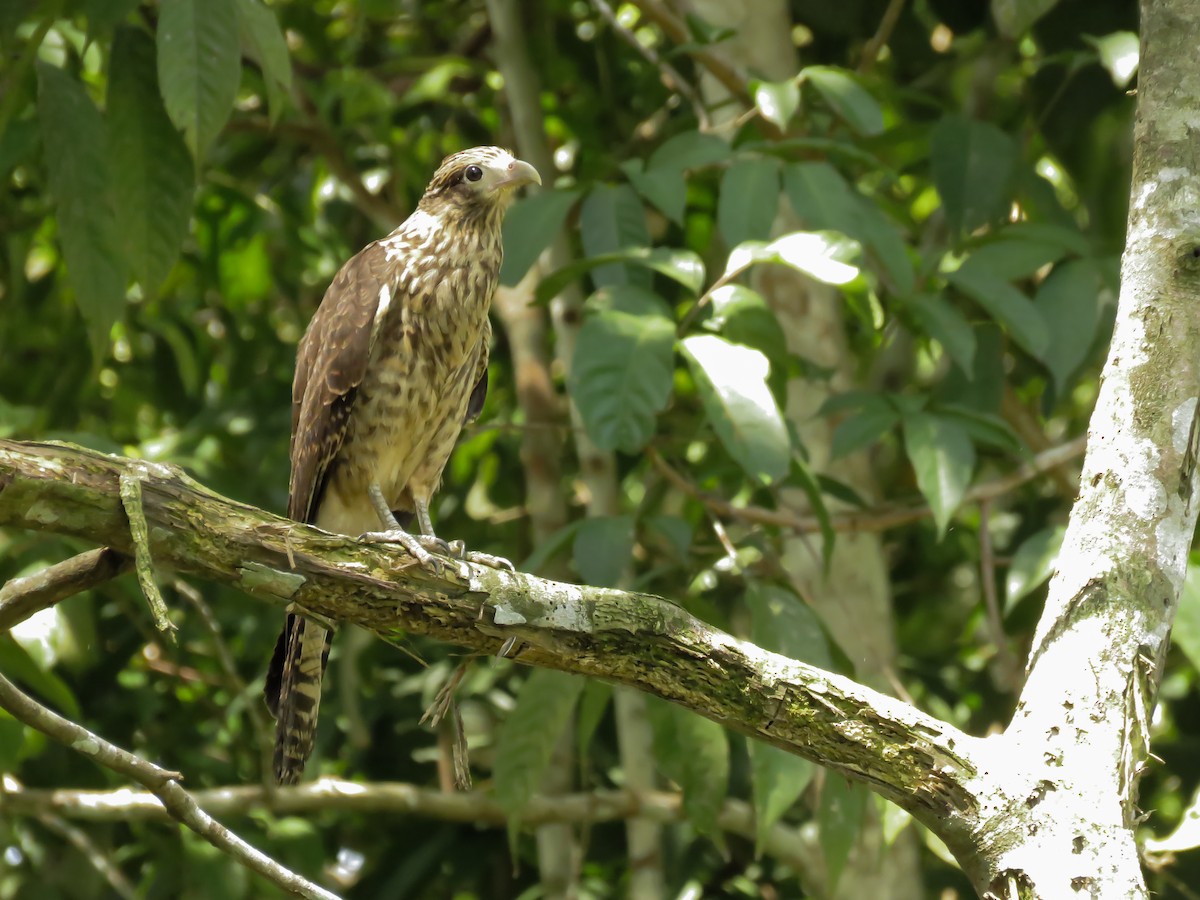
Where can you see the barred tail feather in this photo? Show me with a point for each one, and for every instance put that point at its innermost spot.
(293, 693)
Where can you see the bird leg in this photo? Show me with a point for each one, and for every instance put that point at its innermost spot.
(419, 545)
(458, 548)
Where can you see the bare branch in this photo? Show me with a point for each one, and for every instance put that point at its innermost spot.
(161, 783)
(20, 598)
(79, 839)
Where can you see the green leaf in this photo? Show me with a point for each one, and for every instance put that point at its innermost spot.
(74, 144)
(742, 316)
(12, 739)
(611, 219)
(839, 820)
(529, 227)
(783, 623)
(1015, 17)
(946, 325)
(732, 383)
(1032, 564)
(1006, 304)
(778, 779)
(777, 101)
(843, 94)
(682, 266)
(818, 254)
(1069, 301)
(603, 548)
(623, 370)
(16, 662)
(1013, 259)
(694, 753)
(264, 43)
(152, 171)
(1119, 54)
(1185, 634)
(104, 15)
(875, 419)
(803, 475)
(983, 427)
(943, 459)
(199, 67)
(597, 695)
(528, 736)
(973, 167)
(665, 188)
(749, 200)
(689, 150)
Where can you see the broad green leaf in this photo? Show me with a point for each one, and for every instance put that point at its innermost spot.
(742, 316)
(819, 255)
(612, 218)
(863, 429)
(943, 459)
(550, 547)
(104, 15)
(74, 144)
(1068, 239)
(882, 237)
(973, 167)
(1119, 54)
(689, 150)
(748, 201)
(623, 370)
(528, 736)
(785, 624)
(683, 266)
(1006, 304)
(778, 779)
(845, 96)
(665, 188)
(777, 101)
(199, 67)
(603, 549)
(694, 753)
(1186, 632)
(12, 738)
(264, 43)
(1069, 301)
(945, 324)
(1015, 17)
(529, 227)
(983, 427)
(152, 171)
(803, 475)
(1032, 564)
(732, 383)
(1013, 259)
(16, 663)
(839, 820)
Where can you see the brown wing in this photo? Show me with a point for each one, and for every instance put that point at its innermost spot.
(479, 392)
(330, 364)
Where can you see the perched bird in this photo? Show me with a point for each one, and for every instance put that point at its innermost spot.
(391, 366)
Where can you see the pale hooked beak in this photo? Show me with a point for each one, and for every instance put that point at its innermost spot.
(518, 173)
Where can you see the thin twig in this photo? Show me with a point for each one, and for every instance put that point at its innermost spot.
(1007, 671)
(887, 24)
(79, 839)
(20, 598)
(669, 73)
(881, 518)
(143, 564)
(162, 783)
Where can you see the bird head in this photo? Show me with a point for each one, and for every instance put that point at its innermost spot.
(481, 179)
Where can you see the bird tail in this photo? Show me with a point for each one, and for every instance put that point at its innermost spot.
(293, 693)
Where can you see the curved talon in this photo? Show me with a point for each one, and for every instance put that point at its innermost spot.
(416, 545)
(487, 559)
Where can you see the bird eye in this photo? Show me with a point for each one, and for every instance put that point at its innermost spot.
(473, 173)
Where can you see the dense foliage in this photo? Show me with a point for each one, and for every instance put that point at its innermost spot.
(179, 180)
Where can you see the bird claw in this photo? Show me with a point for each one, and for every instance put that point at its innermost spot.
(421, 547)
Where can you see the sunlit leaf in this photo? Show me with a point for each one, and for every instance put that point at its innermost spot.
(612, 218)
(265, 44)
(1032, 564)
(820, 255)
(694, 753)
(732, 383)
(622, 373)
(785, 624)
(16, 663)
(199, 67)
(682, 266)
(603, 549)
(528, 736)
(530, 226)
(1006, 304)
(973, 168)
(777, 101)
(943, 459)
(152, 172)
(74, 141)
(742, 316)
(1119, 54)
(846, 97)
(749, 200)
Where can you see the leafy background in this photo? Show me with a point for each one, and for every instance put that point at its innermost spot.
(179, 180)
